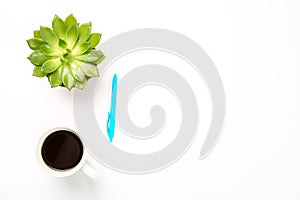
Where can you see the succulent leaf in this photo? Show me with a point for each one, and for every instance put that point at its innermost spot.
(59, 27)
(93, 56)
(38, 72)
(84, 32)
(80, 49)
(51, 65)
(94, 40)
(77, 72)
(66, 53)
(35, 43)
(37, 34)
(72, 35)
(49, 36)
(70, 21)
(101, 58)
(67, 78)
(51, 51)
(38, 58)
(80, 85)
(89, 69)
(55, 78)
(62, 44)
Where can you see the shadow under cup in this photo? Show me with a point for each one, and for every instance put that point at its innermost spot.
(62, 150)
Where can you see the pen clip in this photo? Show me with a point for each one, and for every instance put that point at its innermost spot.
(108, 124)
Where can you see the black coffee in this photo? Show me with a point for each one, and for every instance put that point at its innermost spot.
(62, 150)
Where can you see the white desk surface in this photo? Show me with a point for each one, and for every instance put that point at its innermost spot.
(255, 46)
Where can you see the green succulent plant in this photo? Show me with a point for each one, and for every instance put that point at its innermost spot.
(66, 53)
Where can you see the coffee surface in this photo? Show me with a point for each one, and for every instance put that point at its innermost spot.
(62, 150)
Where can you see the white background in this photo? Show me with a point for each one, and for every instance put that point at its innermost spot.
(255, 46)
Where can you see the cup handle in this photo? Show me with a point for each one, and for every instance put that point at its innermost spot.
(88, 170)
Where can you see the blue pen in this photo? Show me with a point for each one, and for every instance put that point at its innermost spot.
(110, 126)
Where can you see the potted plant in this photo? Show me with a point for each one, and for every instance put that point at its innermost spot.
(65, 54)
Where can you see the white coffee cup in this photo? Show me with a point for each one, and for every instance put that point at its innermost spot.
(82, 165)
